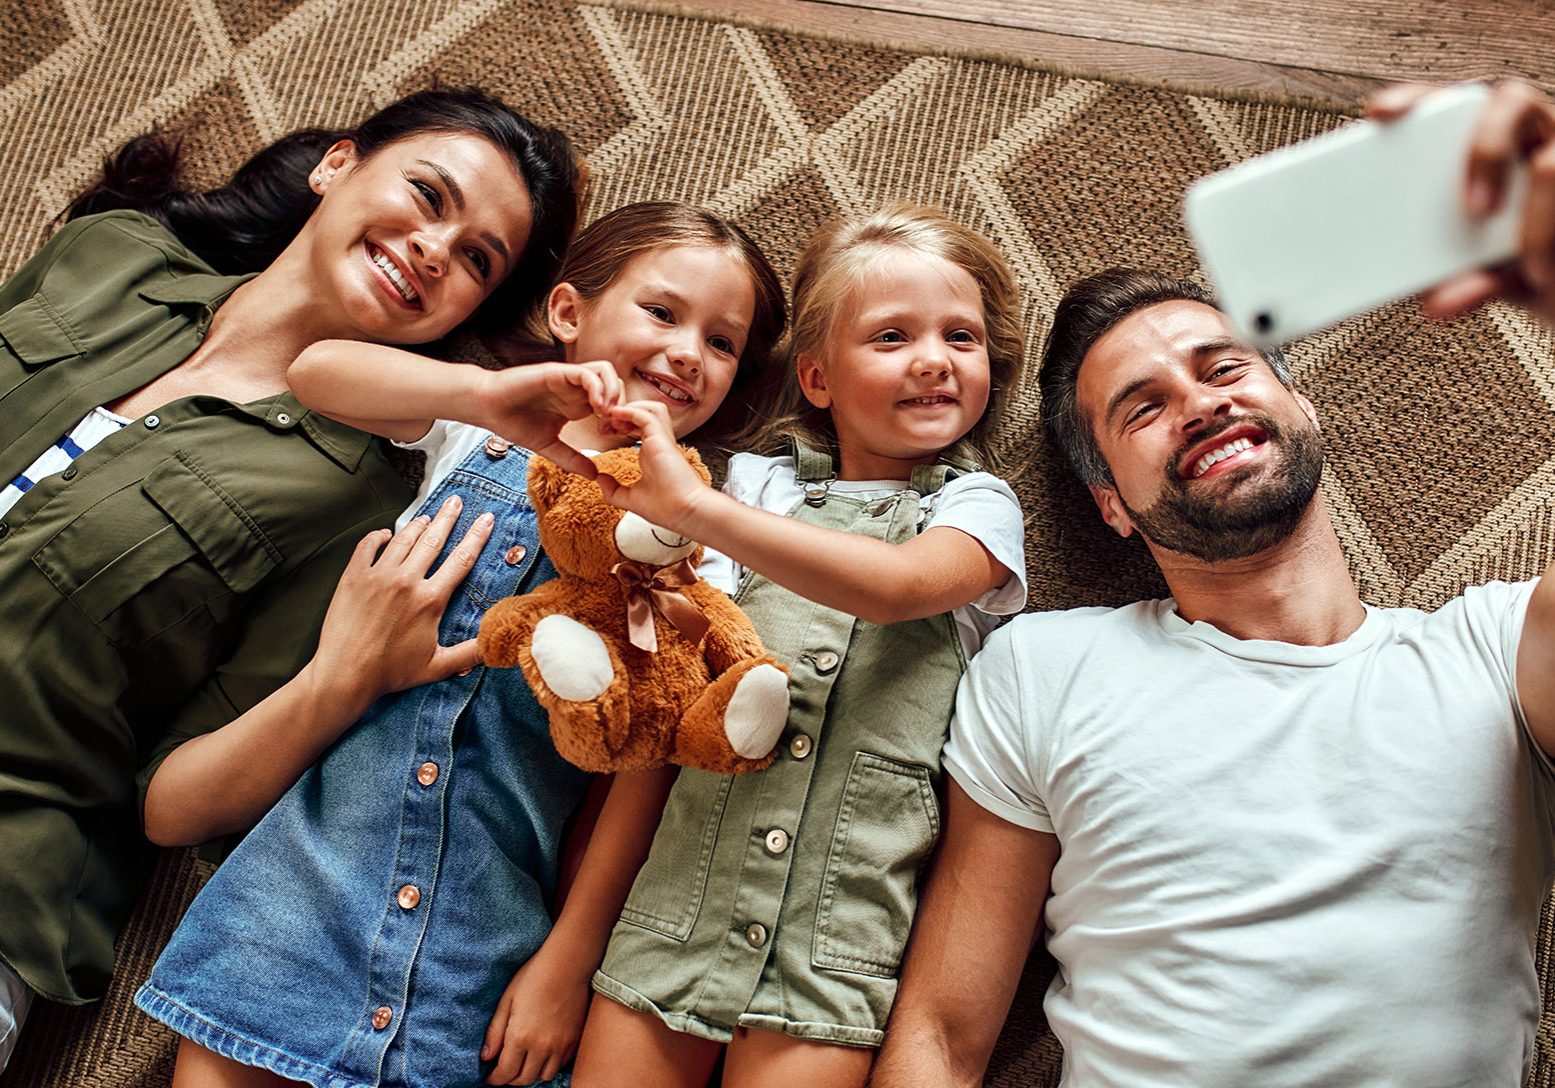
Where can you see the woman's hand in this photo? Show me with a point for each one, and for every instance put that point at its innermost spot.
(530, 405)
(538, 1022)
(1517, 125)
(670, 490)
(380, 634)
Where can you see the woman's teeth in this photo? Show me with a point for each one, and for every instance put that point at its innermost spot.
(396, 277)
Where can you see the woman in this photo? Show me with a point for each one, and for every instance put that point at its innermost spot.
(155, 587)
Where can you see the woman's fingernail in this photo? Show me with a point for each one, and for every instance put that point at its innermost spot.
(452, 503)
(486, 519)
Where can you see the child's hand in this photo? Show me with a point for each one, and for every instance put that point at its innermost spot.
(670, 488)
(530, 405)
(538, 1022)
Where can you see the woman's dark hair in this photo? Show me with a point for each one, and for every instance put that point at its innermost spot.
(1089, 309)
(245, 224)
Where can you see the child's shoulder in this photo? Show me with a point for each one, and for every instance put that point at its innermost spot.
(770, 483)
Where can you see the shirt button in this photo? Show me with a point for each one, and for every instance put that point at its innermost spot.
(409, 896)
(777, 840)
(826, 661)
(153, 421)
(799, 747)
(69, 473)
(516, 555)
(426, 774)
(756, 934)
(5, 530)
(496, 447)
(381, 1017)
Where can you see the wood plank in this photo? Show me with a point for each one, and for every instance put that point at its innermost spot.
(1119, 59)
(1438, 40)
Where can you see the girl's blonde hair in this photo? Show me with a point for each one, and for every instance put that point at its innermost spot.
(838, 258)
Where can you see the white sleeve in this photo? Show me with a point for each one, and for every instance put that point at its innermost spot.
(431, 442)
(987, 753)
(986, 509)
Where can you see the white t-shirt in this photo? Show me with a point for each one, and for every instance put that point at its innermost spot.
(977, 503)
(1280, 865)
(446, 443)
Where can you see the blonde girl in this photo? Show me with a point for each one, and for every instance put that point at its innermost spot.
(772, 912)
(389, 922)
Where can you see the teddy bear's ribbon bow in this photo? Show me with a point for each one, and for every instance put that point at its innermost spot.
(648, 588)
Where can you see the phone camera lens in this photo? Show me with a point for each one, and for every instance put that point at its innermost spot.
(1263, 321)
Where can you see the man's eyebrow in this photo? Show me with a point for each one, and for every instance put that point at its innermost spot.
(1217, 345)
(1123, 395)
(448, 182)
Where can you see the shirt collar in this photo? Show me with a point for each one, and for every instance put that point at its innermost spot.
(197, 288)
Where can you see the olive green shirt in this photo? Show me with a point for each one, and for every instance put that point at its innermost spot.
(175, 575)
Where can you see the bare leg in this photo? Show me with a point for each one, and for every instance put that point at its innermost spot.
(626, 1048)
(770, 1059)
(201, 1068)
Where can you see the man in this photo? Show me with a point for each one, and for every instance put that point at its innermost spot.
(1282, 838)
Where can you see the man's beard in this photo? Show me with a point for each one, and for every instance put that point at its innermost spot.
(1218, 523)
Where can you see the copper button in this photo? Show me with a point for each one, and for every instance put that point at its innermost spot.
(381, 1017)
(409, 896)
(756, 934)
(799, 747)
(777, 840)
(426, 774)
(516, 555)
(496, 447)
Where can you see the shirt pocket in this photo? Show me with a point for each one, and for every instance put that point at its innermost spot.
(34, 335)
(668, 891)
(144, 557)
(887, 825)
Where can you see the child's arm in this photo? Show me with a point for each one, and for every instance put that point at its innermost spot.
(397, 394)
(938, 570)
(539, 1020)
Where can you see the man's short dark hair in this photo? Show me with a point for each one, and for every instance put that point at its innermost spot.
(1087, 311)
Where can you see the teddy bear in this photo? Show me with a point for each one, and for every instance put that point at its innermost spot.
(637, 661)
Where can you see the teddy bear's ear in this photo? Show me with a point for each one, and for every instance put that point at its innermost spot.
(546, 482)
(695, 460)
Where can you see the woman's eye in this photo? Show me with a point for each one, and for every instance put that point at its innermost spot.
(481, 262)
(433, 198)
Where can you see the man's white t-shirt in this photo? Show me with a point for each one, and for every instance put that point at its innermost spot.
(977, 503)
(1280, 864)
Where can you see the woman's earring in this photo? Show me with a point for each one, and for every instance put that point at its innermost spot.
(318, 179)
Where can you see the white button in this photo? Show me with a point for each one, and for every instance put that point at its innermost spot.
(777, 840)
(756, 934)
(152, 421)
(799, 747)
(826, 661)
(282, 418)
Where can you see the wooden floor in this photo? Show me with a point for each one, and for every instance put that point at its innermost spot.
(1330, 49)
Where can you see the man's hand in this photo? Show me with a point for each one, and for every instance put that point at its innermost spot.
(530, 404)
(1518, 125)
(538, 1022)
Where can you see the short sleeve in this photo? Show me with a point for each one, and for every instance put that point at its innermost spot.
(987, 753)
(986, 509)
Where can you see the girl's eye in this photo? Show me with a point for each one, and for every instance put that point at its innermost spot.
(961, 336)
(891, 336)
(433, 198)
(660, 312)
(723, 344)
(481, 262)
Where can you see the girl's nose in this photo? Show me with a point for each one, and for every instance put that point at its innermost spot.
(684, 356)
(933, 359)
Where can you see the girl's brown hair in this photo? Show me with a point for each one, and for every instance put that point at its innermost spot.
(837, 259)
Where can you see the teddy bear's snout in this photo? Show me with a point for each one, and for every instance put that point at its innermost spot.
(645, 542)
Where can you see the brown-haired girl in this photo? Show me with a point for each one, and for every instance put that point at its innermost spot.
(396, 903)
(773, 909)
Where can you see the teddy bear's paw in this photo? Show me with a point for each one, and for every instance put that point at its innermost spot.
(573, 661)
(757, 711)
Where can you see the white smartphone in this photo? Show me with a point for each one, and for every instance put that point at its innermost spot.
(1310, 234)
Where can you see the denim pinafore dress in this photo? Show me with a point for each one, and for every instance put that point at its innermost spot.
(782, 899)
(363, 932)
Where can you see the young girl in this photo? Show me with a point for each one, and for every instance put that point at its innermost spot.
(364, 932)
(773, 909)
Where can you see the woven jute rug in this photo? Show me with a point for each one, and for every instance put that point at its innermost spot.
(1441, 437)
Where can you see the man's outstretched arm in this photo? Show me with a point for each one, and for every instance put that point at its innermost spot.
(976, 924)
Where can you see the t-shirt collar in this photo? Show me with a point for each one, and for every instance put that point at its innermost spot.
(1267, 650)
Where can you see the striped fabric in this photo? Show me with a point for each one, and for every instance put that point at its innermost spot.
(98, 425)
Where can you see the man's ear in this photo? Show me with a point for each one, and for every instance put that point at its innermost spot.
(1112, 511)
(564, 312)
(1307, 409)
(812, 381)
(340, 156)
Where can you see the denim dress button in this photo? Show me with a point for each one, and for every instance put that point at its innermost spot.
(426, 774)
(381, 1017)
(516, 554)
(409, 896)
